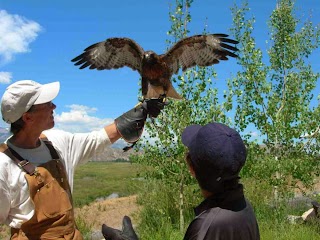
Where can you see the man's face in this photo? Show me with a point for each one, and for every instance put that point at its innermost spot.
(42, 115)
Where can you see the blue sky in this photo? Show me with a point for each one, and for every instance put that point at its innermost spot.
(39, 38)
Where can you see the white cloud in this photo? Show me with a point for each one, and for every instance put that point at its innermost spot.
(5, 77)
(80, 119)
(254, 134)
(16, 33)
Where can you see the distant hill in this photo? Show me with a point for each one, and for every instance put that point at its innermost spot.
(112, 154)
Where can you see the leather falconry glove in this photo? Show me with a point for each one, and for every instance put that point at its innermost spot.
(130, 124)
(127, 232)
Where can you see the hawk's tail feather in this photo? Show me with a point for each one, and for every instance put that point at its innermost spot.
(172, 93)
(157, 91)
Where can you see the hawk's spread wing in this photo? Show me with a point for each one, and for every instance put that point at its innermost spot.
(112, 53)
(201, 50)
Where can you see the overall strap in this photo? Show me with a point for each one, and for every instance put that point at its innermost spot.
(52, 150)
(49, 145)
(22, 163)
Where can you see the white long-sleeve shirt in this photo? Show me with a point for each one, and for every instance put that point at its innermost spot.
(16, 206)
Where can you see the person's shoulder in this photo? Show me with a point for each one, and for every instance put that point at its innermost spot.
(4, 158)
(229, 223)
(56, 134)
(218, 217)
(226, 219)
(5, 162)
(57, 137)
(211, 218)
(54, 131)
(198, 221)
(193, 229)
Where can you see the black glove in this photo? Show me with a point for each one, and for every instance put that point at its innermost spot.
(130, 124)
(154, 106)
(127, 232)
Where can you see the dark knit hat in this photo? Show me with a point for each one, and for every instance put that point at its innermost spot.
(217, 152)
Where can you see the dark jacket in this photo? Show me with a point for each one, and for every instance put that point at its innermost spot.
(227, 216)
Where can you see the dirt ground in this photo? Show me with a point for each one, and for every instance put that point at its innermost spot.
(109, 212)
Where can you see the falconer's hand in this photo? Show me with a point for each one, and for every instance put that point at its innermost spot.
(127, 232)
(130, 124)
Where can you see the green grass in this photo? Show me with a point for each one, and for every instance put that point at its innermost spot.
(285, 231)
(159, 215)
(100, 179)
(272, 217)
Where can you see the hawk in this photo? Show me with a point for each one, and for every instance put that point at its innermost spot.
(156, 70)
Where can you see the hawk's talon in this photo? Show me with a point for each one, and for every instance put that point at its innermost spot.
(163, 97)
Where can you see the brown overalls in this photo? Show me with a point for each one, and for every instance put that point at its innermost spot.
(51, 195)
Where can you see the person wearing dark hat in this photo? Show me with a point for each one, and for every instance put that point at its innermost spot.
(37, 162)
(216, 154)
(215, 158)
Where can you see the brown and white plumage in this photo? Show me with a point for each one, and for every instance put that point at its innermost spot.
(156, 70)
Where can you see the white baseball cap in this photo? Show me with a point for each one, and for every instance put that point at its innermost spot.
(20, 96)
